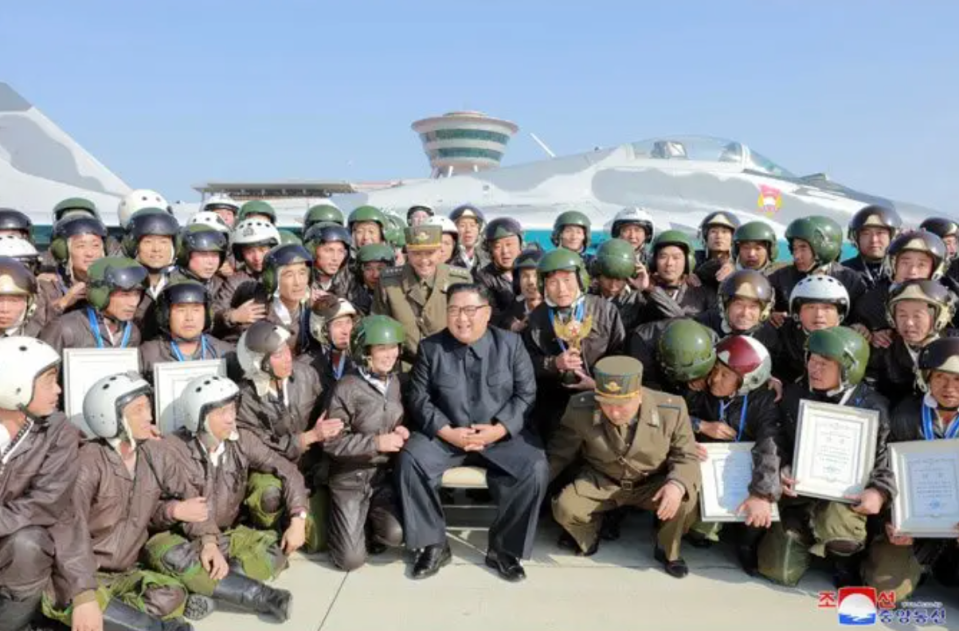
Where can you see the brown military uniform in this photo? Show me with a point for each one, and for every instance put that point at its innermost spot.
(419, 305)
(38, 524)
(360, 476)
(72, 330)
(159, 351)
(624, 466)
(48, 294)
(279, 423)
(225, 485)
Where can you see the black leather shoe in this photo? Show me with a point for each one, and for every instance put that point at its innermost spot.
(431, 559)
(506, 565)
(567, 542)
(676, 568)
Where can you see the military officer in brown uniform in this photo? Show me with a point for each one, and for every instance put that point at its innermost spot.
(638, 450)
(415, 294)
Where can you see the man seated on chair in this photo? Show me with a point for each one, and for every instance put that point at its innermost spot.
(469, 397)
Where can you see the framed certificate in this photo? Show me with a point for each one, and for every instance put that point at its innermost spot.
(927, 476)
(727, 472)
(169, 379)
(82, 367)
(835, 450)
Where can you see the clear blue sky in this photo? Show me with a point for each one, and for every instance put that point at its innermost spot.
(169, 94)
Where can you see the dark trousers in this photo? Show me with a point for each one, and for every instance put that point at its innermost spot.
(356, 511)
(26, 561)
(517, 476)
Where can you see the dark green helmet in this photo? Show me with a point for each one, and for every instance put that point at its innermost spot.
(822, 234)
(257, 207)
(395, 232)
(148, 222)
(327, 233)
(368, 213)
(571, 218)
(686, 351)
(111, 274)
(679, 239)
(616, 258)
(287, 237)
(199, 238)
(760, 232)
(182, 292)
(874, 216)
(376, 253)
(501, 228)
(374, 330)
(842, 345)
(561, 259)
(322, 212)
(75, 204)
(72, 226)
(527, 259)
(278, 258)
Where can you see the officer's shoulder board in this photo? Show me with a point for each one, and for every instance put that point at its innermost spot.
(460, 274)
(392, 273)
(584, 400)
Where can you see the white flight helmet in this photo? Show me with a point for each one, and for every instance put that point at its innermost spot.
(137, 200)
(203, 395)
(24, 359)
(220, 200)
(255, 232)
(633, 215)
(209, 218)
(19, 248)
(445, 223)
(819, 289)
(105, 400)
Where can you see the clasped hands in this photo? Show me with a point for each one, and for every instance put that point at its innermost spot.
(473, 438)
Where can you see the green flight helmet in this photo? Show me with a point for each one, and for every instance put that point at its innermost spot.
(257, 207)
(678, 239)
(822, 234)
(72, 226)
(758, 231)
(278, 258)
(376, 253)
(616, 258)
(75, 205)
(686, 351)
(374, 330)
(368, 213)
(287, 237)
(571, 218)
(561, 259)
(199, 237)
(111, 274)
(323, 212)
(395, 232)
(845, 346)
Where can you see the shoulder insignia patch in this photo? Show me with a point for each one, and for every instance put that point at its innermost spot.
(392, 272)
(459, 272)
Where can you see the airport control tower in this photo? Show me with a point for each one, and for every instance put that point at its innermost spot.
(460, 142)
